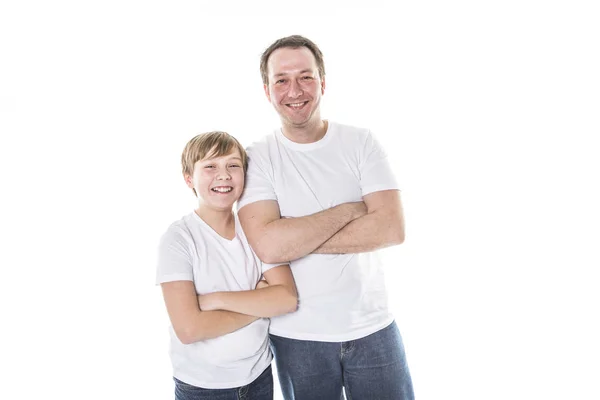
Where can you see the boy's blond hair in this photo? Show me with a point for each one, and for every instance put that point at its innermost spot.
(210, 144)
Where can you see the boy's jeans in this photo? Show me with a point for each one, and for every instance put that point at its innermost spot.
(373, 367)
(260, 389)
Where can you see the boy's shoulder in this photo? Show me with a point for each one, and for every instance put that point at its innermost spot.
(181, 228)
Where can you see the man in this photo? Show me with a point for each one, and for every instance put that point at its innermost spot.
(322, 195)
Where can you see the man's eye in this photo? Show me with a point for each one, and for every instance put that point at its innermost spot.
(234, 166)
(307, 78)
(209, 166)
(280, 81)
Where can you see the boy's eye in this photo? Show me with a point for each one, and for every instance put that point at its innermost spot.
(234, 165)
(209, 166)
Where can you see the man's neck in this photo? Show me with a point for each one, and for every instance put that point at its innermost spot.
(312, 132)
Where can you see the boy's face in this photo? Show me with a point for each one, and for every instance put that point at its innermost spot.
(218, 181)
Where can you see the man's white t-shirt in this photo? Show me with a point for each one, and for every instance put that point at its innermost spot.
(342, 296)
(191, 250)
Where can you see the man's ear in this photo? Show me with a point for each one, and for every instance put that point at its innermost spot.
(323, 86)
(266, 89)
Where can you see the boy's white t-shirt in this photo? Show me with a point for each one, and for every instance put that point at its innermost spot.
(191, 250)
(342, 296)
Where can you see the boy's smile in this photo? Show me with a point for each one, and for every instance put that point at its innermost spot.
(222, 189)
(218, 181)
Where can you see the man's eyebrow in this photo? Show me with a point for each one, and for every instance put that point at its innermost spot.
(301, 72)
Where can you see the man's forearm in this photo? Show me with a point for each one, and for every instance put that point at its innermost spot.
(367, 233)
(265, 303)
(288, 239)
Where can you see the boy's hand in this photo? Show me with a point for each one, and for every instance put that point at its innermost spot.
(209, 302)
(262, 284)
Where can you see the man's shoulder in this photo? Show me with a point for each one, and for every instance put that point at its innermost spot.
(350, 130)
(347, 127)
(262, 143)
(259, 151)
(350, 135)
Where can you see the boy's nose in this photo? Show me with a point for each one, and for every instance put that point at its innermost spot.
(224, 175)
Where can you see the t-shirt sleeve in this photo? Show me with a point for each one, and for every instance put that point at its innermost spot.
(174, 257)
(265, 267)
(375, 171)
(259, 185)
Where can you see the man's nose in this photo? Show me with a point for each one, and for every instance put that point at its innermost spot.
(295, 89)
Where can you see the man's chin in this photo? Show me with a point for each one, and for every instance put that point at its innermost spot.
(297, 121)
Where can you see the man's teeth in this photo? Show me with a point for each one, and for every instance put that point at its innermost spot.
(222, 189)
(297, 105)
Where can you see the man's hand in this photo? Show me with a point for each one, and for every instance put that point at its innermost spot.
(360, 209)
(381, 226)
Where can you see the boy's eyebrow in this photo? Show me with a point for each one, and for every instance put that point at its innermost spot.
(211, 157)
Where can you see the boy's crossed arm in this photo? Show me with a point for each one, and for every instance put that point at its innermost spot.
(195, 318)
(276, 297)
(190, 323)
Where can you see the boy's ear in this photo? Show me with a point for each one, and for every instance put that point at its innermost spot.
(188, 180)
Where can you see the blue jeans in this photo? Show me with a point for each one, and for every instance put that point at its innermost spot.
(369, 368)
(260, 389)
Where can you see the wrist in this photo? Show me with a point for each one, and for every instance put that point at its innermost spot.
(216, 301)
(359, 209)
(210, 302)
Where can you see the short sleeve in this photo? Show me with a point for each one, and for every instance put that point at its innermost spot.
(259, 185)
(375, 171)
(265, 267)
(174, 257)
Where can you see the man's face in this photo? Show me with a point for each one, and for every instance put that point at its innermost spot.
(218, 181)
(295, 87)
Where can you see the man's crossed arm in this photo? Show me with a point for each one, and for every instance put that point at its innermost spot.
(375, 223)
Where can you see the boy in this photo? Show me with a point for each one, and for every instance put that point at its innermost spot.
(211, 282)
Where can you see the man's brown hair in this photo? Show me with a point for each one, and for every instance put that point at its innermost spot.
(294, 42)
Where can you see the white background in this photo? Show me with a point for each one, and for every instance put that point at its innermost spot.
(488, 111)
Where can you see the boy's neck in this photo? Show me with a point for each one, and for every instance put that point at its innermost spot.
(222, 221)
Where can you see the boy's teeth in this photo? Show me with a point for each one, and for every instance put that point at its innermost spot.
(222, 189)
